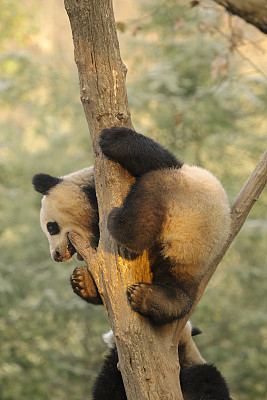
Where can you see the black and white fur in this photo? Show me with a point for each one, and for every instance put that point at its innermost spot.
(69, 205)
(199, 381)
(179, 213)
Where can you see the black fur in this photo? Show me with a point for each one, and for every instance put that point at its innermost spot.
(196, 331)
(160, 302)
(109, 383)
(91, 195)
(168, 297)
(135, 152)
(203, 382)
(199, 382)
(43, 183)
(135, 230)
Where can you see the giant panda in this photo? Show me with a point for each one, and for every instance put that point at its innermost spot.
(180, 214)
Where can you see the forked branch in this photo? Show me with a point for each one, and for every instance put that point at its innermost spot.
(252, 11)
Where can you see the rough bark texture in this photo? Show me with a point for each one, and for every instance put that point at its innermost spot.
(147, 356)
(252, 11)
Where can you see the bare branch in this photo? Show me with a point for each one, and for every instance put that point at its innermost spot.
(249, 195)
(252, 11)
(240, 210)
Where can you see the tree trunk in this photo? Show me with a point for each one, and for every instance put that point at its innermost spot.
(252, 11)
(147, 356)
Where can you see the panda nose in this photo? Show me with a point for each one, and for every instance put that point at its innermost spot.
(57, 256)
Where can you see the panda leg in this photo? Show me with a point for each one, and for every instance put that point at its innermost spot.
(135, 152)
(199, 381)
(203, 382)
(188, 352)
(109, 383)
(137, 224)
(161, 303)
(84, 286)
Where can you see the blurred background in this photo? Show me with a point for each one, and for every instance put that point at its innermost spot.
(197, 83)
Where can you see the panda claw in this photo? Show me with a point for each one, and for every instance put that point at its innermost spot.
(84, 286)
(135, 296)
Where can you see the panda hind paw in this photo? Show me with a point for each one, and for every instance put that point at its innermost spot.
(139, 297)
(154, 302)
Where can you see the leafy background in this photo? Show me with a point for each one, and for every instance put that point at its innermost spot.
(197, 83)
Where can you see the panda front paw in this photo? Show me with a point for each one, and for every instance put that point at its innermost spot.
(84, 286)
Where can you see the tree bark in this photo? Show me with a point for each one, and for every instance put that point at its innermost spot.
(252, 11)
(147, 356)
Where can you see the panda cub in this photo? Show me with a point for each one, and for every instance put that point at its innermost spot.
(179, 213)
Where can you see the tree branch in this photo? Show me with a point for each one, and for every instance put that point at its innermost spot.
(240, 210)
(252, 11)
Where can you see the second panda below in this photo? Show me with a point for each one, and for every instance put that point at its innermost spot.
(199, 380)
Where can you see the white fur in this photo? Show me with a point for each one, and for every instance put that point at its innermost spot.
(197, 222)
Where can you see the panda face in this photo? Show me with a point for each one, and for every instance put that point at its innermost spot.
(61, 248)
(56, 227)
(67, 207)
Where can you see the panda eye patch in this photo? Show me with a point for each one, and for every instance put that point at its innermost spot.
(53, 228)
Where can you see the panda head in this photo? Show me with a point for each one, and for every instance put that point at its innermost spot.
(69, 205)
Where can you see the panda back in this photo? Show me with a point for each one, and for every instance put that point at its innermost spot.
(197, 221)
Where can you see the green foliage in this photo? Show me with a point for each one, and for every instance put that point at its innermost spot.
(51, 342)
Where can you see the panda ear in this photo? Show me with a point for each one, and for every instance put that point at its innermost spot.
(42, 183)
(195, 331)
